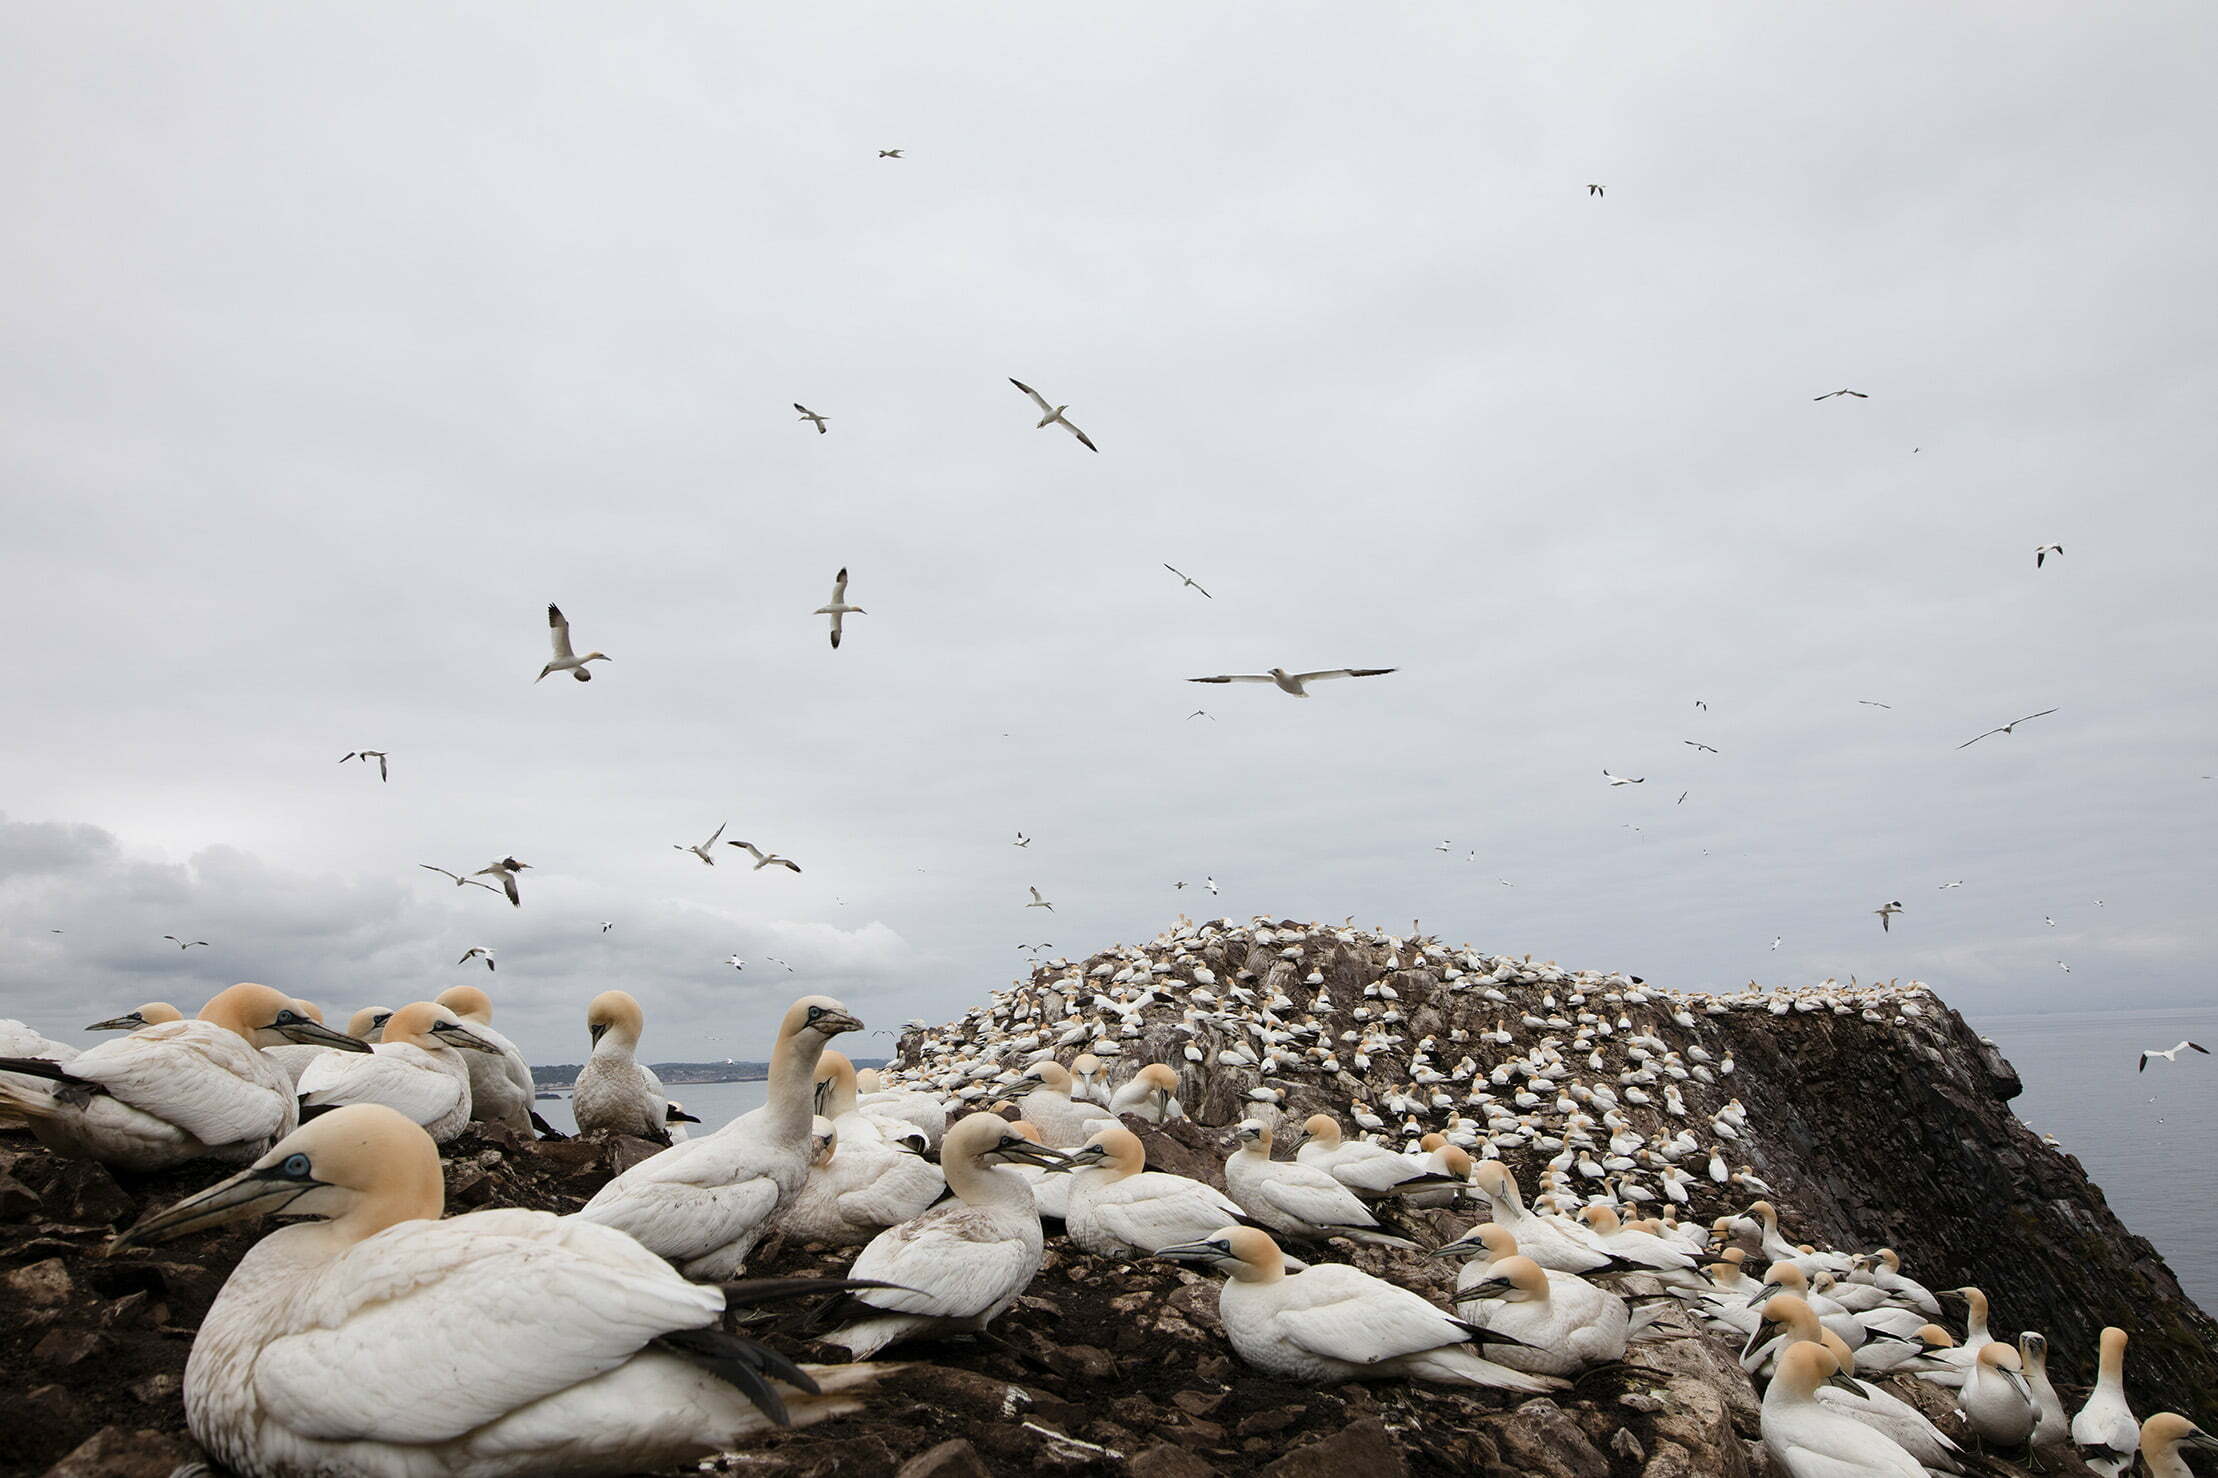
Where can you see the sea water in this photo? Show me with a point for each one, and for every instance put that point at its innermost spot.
(714, 1104)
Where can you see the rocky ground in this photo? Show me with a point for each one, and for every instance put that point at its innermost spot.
(1104, 1367)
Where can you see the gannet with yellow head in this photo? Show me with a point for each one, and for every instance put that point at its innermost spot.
(1891, 1417)
(1295, 1199)
(2104, 1431)
(418, 1070)
(1810, 1439)
(1150, 1094)
(1562, 1323)
(615, 1092)
(1372, 1171)
(1996, 1402)
(704, 1204)
(378, 1341)
(173, 1092)
(1332, 1322)
(1120, 1208)
(2163, 1435)
(1063, 1120)
(153, 1013)
(860, 1183)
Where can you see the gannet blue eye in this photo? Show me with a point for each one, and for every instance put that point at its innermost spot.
(295, 1166)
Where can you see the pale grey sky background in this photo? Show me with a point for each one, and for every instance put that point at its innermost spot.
(343, 340)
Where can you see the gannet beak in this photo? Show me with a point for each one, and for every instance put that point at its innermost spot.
(1092, 1154)
(256, 1192)
(1034, 1154)
(675, 1115)
(1483, 1289)
(1847, 1383)
(832, 1023)
(129, 1021)
(297, 1028)
(1202, 1252)
(594, 1031)
(2197, 1437)
(823, 1094)
(456, 1035)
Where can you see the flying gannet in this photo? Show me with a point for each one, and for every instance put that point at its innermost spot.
(565, 660)
(1332, 1322)
(1617, 780)
(703, 851)
(615, 1092)
(2043, 551)
(2008, 728)
(1189, 580)
(1038, 901)
(705, 1203)
(765, 859)
(1296, 683)
(1052, 415)
(477, 952)
(545, 1345)
(960, 1264)
(1828, 395)
(837, 607)
(365, 756)
(2170, 1054)
(172, 1092)
(459, 880)
(812, 417)
(505, 869)
(417, 1071)
(183, 943)
(1888, 913)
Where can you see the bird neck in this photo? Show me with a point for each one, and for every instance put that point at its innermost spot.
(791, 1107)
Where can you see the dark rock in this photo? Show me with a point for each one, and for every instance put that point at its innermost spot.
(42, 1285)
(1549, 1444)
(1081, 1362)
(114, 1452)
(1364, 1448)
(1165, 1461)
(18, 1202)
(63, 1348)
(951, 1459)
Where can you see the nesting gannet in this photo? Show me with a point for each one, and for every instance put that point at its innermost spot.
(1550, 1241)
(2105, 1431)
(1296, 1199)
(1052, 415)
(1897, 1420)
(703, 851)
(837, 607)
(615, 1092)
(765, 859)
(1811, 1440)
(501, 1086)
(2170, 1054)
(172, 1092)
(379, 1341)
(1050, 1187)
(1367, 1169)
(505, 869)
(959, 1265)
(1150, 1094)
(365, 756)
(1120, 1208)
(811, 416)
(1995, 1400)
(1333, 1322)
(368, 1024)
(477, 952)
(417, 1070)
(1561, 1322)
(705, 1203)
(153, 1013)
(1296, 683)
(1188, 580)
(2008, 728)
(2163, 1435)
(856, 1188)
(2041, 552)
(565, 660)
(1064, 1122)
(839, 1099)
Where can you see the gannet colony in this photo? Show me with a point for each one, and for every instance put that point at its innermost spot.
(1269, 1196)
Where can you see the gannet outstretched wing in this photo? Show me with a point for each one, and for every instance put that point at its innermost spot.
(558, 629)
(1318, 677)
(1236, 677)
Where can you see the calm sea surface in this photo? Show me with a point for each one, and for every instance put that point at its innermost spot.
(2146, 1138)
(714, 1104)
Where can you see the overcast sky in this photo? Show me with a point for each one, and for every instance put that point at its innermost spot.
(342, 340)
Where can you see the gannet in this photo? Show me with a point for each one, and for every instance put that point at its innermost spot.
(294, 1058)
(1150, 1094)
(1897, 1420)
(1451, 1161)
(1064, 1122)
(890, 154)
(2163, 1435)
(1886, 914)
(566, 660)
(1089, 1088)
(1995, 1400)
(1296, 683)
(1638, 1248)
(1052, 415)
(368, 1024)
(1367, 1169)
(459, 880)
(1120, 1208)
(2008, 728)
(1810, 1440)
(1561, 1322)
(153, 1013)
(705, 1203)
(1296, 1199)
(837, 607)
(2105, 1431)
(703, 851)
(477, 952)
(2169, 1055)
(19, 1039)
(1828, 395)
(1050, 1187)
(837, 1099)
(2042, 551)
(365, 756)
(765, 859)
(615, 1092)
(921, 1110)
(183, 943)
(1617, 780)
(1333, 1322)
(1038, 901)
(959, 1265)
(1188, 580)
(807, 414)
(417, 1070)
(856, 1188)
(501, 1086)
(1549, 1241)
(505, 869)
(173, 1092)
(2051, 1428)
(382, 1342)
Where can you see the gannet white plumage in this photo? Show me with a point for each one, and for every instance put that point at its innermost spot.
(1370, 1170)
(566, 660)
(1562, 1323)
(172, 1092)
(1296, 1199)
(382, 1342)
(1064, 1122)
(705, 1203)
(2051, 1428)
(960, 1264)
(1052, 415)
(1892, 1417)
(2104, 1430)
(838, 1099)
(20, 1039)
(919, 1109)
(837, 607)
(417, 1070)
(1549, 1241)
(1150, 1094)
(1333, 1322)
(501, 1086)
(1296, 683)
(1811, 1440)
(1996, 1401)
(1120, 1208)
(615, 1092)
(856, 1188)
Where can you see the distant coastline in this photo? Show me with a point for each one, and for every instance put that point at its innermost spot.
(564, 1075)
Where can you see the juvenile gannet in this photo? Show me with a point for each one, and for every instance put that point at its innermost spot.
(1367, 1169)
(417, 1070)
(1052, 415)
(1333, 1323)
(1810, 1440)
(566, 660)
(379, 1341)
(837, 607)
(1189, 580)
(2105, 1431)
(703, 851)
(1296, 683)
(501, 1086)
(705, 1203)
(959, 1265)
(2170, 1054)
(1296, 1199)
(811, 416)
(1150, 1094)
(2163, 1435)
(365, 756)
(765, 859)
(153, 1013)
(1064, 1122)
(172, 1092)
(477, 952)
(1562, 1323)
(856, 1188)
(615, 1092)
(1120, 1208)
(2042, 551)
(2008, 728)
(505, 868)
